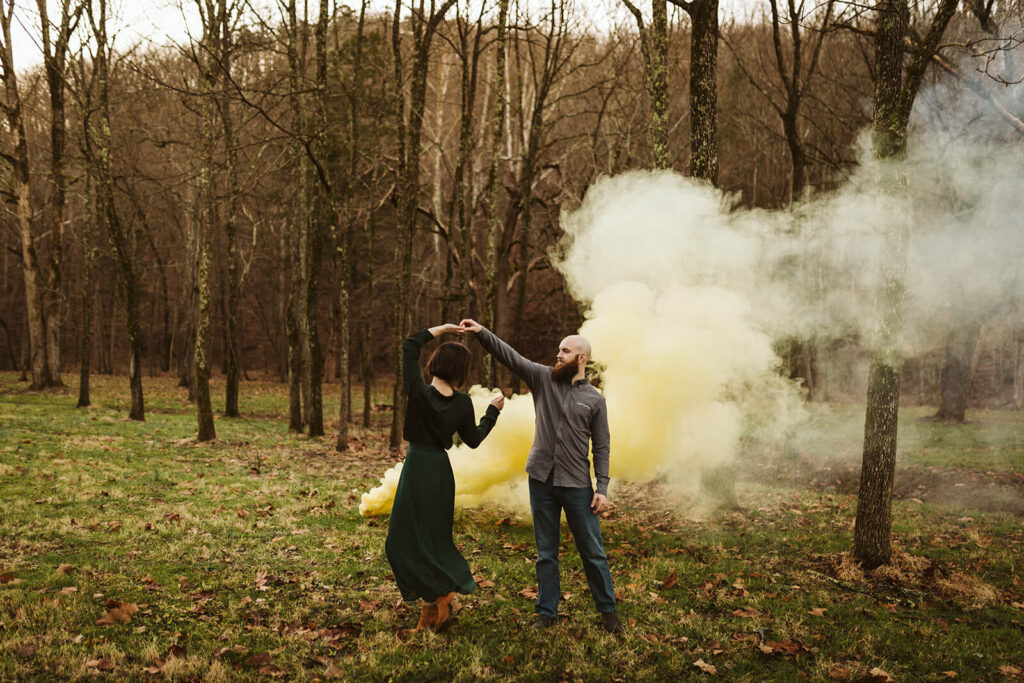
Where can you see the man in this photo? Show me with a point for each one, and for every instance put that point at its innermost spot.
(570, 413)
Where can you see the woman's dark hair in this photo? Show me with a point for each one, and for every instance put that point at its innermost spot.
(450, 362)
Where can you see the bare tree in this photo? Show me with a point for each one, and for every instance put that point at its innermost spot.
(796, 65)
(55, 53)
(490, 308)
(703, 87)
(424, 25)
(654, 48)
(17, 159)
(896, 89)
(98, 152)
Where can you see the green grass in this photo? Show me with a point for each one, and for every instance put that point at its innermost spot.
(246, 575)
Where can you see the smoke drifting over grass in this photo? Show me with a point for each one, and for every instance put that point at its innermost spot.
(686, 294)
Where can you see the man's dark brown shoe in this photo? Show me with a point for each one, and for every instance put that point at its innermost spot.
(611, 623)
(542, 622)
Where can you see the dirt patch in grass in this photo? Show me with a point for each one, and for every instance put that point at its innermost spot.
(970, 489)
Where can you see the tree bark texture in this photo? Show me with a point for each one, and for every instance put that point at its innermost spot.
(955, 380)
(704, 90)
(100, 157)
(490, 312)
(38, 367)
(88, 296)
(893, 100)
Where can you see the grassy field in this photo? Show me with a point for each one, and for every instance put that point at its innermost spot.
(129, 551)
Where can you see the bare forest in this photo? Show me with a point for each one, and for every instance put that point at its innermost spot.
(291, 190)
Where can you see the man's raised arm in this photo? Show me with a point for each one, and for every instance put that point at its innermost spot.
(527, 370)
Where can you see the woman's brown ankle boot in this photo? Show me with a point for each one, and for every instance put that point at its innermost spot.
(428, 616)
(444, 613)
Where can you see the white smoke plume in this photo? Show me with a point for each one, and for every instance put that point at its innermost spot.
(686, 293)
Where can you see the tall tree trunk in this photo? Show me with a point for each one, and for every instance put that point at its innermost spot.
(54, 64)
(1018, 370)
(100, 157)
(367, 339)
(323, 225)
(459, 261)
(209, 54)
(490, 312)
(654, 48)
(894, 98)
(403, 232)
(88, 287)
(12, 105)
(231, 317)
(955, 380)
(298, 366)
(343, 242)
(423, 33)
(703, 89)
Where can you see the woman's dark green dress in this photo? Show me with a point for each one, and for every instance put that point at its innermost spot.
(419, 547)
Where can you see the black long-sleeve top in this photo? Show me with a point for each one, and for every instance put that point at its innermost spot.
(431, 417)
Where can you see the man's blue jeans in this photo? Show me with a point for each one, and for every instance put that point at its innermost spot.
(547, 502)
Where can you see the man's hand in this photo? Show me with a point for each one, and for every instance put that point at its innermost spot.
(498, 401)
(471, 326)
(449, 328)
(599, 503)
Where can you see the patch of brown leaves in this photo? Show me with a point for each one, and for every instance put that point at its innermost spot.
(914, 572)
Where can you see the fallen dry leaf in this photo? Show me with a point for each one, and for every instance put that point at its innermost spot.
(122, 614)
(334, 672)
(77, 639)
(705, 667)
(486, 583)
(1008, 670)
(6, 577)
(949, 674)
(529, 593)
(765, 649)
(25, 651)
(176, 651)
(839, 673)
(258, 660)
(68, 590)
(877, 675)
(787, 647)
(103, 664)
(669, 581)
(746, 613)
(817, 611)
(369, 605)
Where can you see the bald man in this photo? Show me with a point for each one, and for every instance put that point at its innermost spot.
(570, 414)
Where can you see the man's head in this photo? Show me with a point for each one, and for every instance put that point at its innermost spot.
(450, 362)
(573, 353)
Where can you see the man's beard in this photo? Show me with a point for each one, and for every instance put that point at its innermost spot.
(564, 372)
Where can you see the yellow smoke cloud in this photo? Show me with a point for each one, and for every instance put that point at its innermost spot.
(688, 371)
(486, 473)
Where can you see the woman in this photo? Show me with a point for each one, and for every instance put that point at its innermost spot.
(425, 561)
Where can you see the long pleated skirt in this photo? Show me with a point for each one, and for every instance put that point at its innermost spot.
(419, 547)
